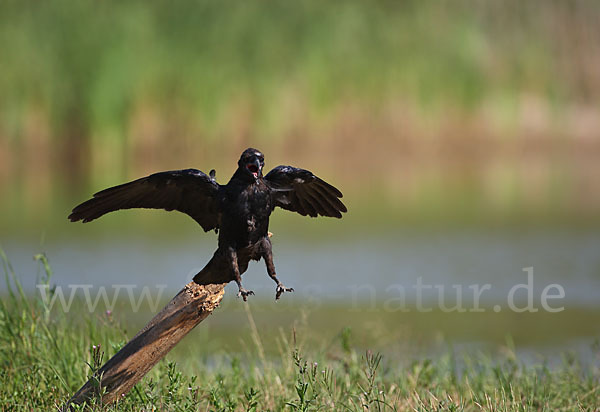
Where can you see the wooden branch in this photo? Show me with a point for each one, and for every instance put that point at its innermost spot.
(117, 376)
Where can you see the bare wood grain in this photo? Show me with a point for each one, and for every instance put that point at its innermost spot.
(186, 310)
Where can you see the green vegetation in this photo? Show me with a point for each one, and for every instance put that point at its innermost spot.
(435, 112)
(96, 64)
(448, 110)
(45, 356)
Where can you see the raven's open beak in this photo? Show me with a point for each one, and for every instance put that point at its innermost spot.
(254, 167)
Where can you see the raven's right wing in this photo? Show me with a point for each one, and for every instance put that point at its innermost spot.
(189, 191)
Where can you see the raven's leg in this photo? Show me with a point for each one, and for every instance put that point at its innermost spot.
(232, 255)
(267, 254)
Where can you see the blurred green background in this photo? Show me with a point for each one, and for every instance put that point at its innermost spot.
(452, 127)
(452, 111)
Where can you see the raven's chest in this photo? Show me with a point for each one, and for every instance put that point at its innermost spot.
(251, 202)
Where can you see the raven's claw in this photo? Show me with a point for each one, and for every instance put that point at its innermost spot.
(244, 294)
(280, 289)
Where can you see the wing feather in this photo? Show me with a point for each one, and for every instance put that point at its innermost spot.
(306, 202)
(325, 208)
(299, 190)
(188, 191)
(332, 199)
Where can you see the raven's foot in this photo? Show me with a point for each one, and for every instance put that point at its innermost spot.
(244, 294)
(280, 289)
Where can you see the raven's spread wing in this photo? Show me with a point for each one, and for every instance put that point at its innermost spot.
(300, 191)
(189, 191)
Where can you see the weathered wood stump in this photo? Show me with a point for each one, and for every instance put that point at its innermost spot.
(186, 310)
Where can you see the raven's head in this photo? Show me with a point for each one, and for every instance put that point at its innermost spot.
(252, 162)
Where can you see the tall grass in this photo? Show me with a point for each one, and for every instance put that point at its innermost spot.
(46, 356)
(493, 102)
(96, 64)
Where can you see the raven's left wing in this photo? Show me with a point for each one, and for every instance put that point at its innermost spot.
(301, 191)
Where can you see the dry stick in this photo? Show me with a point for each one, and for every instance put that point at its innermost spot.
(188, 308)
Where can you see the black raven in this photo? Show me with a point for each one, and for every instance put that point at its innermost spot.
(239, 211)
